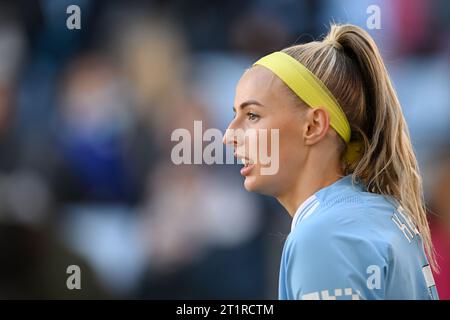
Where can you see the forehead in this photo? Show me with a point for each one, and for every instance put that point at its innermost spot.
(261, 84)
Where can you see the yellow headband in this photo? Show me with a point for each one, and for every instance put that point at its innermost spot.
(308, 87)
(312, 91)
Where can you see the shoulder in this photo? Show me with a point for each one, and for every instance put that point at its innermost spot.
(337, 250)
(333, 252)
(356, 225)
(353, 239)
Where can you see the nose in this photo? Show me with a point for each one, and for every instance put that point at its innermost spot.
(230, 134)
(229, 137)
(235, 134)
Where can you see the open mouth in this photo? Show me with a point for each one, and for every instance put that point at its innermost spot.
(246, 162)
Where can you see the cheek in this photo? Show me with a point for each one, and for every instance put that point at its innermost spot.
(288, 156)
(290, 144)
(291, 151)
(280, 143)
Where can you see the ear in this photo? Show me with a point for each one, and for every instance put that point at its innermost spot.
(316, 126)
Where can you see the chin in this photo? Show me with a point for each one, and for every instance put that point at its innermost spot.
(251, 183)
(259, 185)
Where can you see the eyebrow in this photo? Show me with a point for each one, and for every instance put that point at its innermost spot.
(248, 103)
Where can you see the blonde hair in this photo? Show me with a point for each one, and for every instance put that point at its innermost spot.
(349, 63)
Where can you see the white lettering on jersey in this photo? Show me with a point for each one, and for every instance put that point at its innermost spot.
(325, 294)
(404, 223)
(374, 279)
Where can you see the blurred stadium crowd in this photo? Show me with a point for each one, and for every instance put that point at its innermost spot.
(86, 117)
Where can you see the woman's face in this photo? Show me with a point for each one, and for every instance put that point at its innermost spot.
(262, 106)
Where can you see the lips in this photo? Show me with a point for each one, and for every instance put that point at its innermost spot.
(248, 165)
(246, 170)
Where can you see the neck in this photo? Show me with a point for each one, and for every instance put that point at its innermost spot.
(308, 182)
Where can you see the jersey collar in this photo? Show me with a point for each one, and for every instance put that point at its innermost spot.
(310, 204)
(305, 209)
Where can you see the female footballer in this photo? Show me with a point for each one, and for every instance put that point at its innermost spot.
(347, 171)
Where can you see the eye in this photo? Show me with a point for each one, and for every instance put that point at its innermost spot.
(252, 116)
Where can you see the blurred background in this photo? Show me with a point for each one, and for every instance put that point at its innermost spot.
(86, 117)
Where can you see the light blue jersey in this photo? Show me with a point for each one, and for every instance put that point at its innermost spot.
(347, 243)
